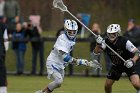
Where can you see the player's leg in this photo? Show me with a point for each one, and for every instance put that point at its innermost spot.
(134, 78)
(108, 85)
(114, 74)
(135, 82)
(58, 80)
(3, 78)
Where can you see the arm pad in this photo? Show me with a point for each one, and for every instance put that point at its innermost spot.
(67, 58)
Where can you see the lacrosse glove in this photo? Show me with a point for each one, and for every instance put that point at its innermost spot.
(95, 64)
(129, 63)
(81, 62)
(99, 39)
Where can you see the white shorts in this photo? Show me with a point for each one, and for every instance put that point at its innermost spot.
(3, 89)
(54, 68)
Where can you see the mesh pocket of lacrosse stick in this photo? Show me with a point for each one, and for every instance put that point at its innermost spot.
(59, 4)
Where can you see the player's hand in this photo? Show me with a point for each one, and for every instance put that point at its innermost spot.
(81, 62)
(99, 39)
(95, 64)
(129, 63)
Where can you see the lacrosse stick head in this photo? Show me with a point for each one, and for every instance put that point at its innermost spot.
(59, 4)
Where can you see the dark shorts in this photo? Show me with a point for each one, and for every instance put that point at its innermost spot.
(116, 72)
(3, 78)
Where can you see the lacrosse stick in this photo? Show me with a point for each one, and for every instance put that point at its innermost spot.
(60, 5)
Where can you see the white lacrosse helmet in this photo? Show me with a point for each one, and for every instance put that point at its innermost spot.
(113, 31)
(71, 28)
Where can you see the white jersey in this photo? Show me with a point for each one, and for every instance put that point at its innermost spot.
(63, 44)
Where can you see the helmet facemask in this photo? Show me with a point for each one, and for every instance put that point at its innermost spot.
(112, 36)
(71, 33)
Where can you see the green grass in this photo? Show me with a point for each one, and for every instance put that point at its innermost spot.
(29, 84)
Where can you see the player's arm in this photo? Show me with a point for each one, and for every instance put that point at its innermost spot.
(69, 59)
(100, 46)
(137, 55)
(98, 49)
(130, 47)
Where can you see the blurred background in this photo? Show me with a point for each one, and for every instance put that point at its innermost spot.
(102, 11)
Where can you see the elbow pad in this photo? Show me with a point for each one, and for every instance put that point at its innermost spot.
(67, 58)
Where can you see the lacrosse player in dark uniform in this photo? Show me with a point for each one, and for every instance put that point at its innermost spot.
(3, 47)
(126, 50)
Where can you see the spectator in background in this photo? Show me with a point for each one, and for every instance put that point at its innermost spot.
(19, 47)
(12, 13)
(2, 4)
(25, 26)
(133, 33)
(96, 29)
(37, 47)
(108, 63)
(3, 49)
(35, 20)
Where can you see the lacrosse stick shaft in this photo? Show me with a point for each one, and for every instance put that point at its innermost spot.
(59, 4)
(94, 34)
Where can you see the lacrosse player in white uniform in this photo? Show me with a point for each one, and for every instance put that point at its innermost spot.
(60, 55)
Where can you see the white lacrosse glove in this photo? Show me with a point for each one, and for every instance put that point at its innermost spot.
(95, 64)
(129, 63)
(99, 39)
(81, 62)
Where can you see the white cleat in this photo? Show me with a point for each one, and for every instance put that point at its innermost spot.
(138, 91)
(39, 91)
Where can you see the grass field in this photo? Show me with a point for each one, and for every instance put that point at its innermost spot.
(29, 84)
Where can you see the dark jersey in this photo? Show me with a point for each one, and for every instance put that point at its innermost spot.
(120, 47)
(3, 78)
(2, 29)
